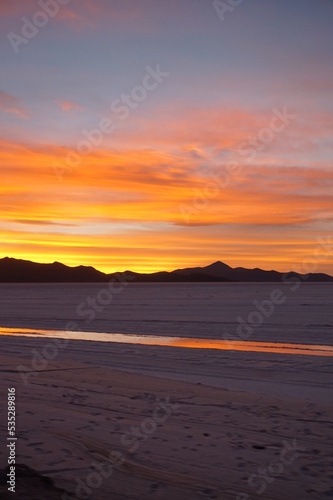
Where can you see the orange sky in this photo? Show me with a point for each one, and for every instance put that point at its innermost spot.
(117, 210)
(228, 157)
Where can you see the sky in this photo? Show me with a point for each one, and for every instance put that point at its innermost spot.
(156, 135)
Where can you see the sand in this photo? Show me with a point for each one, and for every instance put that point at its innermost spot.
(114, 421)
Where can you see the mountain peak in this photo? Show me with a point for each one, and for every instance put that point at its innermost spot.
(219, 263)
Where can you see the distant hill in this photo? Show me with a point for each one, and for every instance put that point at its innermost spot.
(241, 274)
(24, 271)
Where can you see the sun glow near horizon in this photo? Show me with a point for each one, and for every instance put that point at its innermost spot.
(180, 155)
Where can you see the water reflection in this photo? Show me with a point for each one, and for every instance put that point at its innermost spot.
(190, 343)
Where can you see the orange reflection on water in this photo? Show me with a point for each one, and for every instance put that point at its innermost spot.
(189, 343)
(235, 345)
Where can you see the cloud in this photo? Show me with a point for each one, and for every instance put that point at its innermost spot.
(213, 133)
(8, 9)
(13, 105)
(68, 105)
(125, 15)
(153, 186)
(42, 222)
(28, 8)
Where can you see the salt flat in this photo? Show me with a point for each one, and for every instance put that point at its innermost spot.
(203, 310)
(229, 415)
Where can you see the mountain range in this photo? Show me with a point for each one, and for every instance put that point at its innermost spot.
(24, 271)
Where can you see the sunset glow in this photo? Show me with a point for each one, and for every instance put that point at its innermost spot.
(221, 151)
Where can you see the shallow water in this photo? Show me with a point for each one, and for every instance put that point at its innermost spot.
(189, 343)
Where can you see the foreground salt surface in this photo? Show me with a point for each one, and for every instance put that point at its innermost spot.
(231, 414)
(235, 408)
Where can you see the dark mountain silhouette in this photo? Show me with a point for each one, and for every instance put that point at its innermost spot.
(24, 271)
(220, 270)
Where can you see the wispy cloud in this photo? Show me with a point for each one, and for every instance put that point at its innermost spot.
(150, 185)
(38, 222)
(13, 105)
(68, 105)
